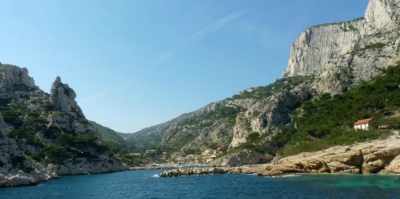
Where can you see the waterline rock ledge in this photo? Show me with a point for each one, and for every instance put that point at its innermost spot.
(379, 156)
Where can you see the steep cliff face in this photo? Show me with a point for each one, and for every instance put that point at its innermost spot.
(230, 121)
(43, 136)
(268, 113)
(342, 54)
(63, 98)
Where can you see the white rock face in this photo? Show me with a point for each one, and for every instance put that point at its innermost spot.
(341, 54)
(63, 97)
(383, 15)
(15, 82)
(272, 111)
(14, 76)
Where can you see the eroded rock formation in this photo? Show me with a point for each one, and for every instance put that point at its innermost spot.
(31, 124)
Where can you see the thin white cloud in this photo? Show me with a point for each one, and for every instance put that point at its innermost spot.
(215, 26)
(164, 56)
(199, 35)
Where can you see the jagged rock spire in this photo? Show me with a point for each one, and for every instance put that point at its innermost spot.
(63, 98)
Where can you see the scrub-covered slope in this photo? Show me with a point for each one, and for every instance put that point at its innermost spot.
(45, 135)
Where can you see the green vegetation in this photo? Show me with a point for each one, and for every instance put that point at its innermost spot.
(33, 114)
(394, 121)
(352, 28)
(28, 134)
(35, 157)
(191, 128)
(253, 143)
(283, 84)
(327, 121)
(31, 125)
(193, 151)
(116, 144)
(17, 161)
(77, 141)
(48, 107)
(56, 154)
(226, 113)
(326, 24)
(52, 131)
(11, 116)
(368, 47)
(336, 136)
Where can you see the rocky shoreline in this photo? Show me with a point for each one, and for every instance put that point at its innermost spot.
(19, 178)
(378, 156)
(200, 171)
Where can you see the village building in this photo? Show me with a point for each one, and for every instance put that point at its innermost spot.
(180, 159)
(207, 151)
(209, 160)
(215, 152)
(205, 156)
(362, 124)
(135, 155)
(151, 152)
(190, 157)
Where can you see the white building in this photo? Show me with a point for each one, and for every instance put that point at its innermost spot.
(362, 124)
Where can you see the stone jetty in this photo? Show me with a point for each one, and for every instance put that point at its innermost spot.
(204, 171)
(152, 168)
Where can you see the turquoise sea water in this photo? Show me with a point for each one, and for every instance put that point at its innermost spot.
(144, 184)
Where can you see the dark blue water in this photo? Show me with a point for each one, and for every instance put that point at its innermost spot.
(143, 184)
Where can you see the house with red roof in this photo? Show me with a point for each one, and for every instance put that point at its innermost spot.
(362, 124)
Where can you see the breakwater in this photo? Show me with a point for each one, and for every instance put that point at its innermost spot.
(152, 168)
(203, 171)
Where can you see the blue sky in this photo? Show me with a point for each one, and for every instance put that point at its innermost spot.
(134, 64)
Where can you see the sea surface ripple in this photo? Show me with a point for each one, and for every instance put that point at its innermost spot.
(145, 184)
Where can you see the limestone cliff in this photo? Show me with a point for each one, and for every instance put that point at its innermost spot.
(43, 136)
(342, 54)
(63, 98)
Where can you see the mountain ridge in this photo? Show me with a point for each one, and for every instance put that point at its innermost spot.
(329, 58)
